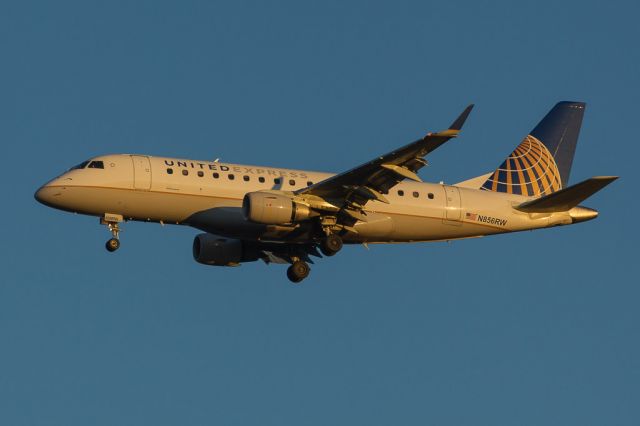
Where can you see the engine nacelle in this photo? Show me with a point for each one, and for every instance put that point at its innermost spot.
(272, 208)
(210, 249)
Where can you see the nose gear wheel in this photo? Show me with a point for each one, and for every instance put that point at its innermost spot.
(113, 243)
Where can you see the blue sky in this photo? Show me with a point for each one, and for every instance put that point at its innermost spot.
(531, 328)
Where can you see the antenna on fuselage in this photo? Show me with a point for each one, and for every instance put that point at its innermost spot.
(216, 160)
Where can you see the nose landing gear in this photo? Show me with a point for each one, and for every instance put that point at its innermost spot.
(111, 221)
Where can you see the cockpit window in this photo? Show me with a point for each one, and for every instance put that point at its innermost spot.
(80, 166)
(96, 165)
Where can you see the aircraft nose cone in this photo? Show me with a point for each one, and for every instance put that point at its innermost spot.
(40, 194)
(46, 195)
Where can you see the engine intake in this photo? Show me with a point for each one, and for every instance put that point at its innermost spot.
(210, 249)
(272, 208)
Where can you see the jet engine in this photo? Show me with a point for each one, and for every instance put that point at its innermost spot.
(272, 208)
(210, 249)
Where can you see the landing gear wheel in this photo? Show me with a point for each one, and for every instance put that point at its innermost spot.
(111, 221)
(113, 244)
(298, 271)
(331, 245)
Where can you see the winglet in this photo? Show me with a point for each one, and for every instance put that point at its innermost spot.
(457, 125)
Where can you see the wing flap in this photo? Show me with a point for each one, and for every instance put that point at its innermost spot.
(402, 171)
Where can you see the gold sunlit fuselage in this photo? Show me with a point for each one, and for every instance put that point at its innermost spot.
(208, 196)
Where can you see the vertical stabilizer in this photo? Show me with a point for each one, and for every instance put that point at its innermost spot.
(541, 164)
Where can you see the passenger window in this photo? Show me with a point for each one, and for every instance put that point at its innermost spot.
(276, 181)
(309, 183)
(96, 165)
(231, 177)
(261, 179)
(430, 195)
(292, 182)
(185, 172)
(246, 178)
(200, 173)
(401, 192)
(216, 175)
(415, 194)
(169, 171)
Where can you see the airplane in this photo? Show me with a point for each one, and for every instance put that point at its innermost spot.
(250, 213)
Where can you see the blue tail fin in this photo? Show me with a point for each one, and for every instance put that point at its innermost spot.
(541, 164)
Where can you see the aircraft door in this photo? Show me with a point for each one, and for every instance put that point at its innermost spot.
(141, 172)
(453, 211)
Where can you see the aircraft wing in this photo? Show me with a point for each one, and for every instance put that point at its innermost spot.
(369, 181)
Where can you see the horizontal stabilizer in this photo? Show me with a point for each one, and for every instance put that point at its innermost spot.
(568, 198)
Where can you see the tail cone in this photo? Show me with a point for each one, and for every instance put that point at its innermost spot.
(582, 214)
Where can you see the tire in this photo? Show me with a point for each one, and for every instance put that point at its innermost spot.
(113, 244)
(298, 271)
(292, 277)
(331, 245)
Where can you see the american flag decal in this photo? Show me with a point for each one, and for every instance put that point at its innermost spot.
(471, 216)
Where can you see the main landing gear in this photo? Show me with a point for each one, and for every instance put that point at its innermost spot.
(111, 221)
(298, 271)
(331, 245)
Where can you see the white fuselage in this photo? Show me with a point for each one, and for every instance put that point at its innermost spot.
(208, 196)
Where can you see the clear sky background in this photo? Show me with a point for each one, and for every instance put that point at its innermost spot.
(535, 328)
